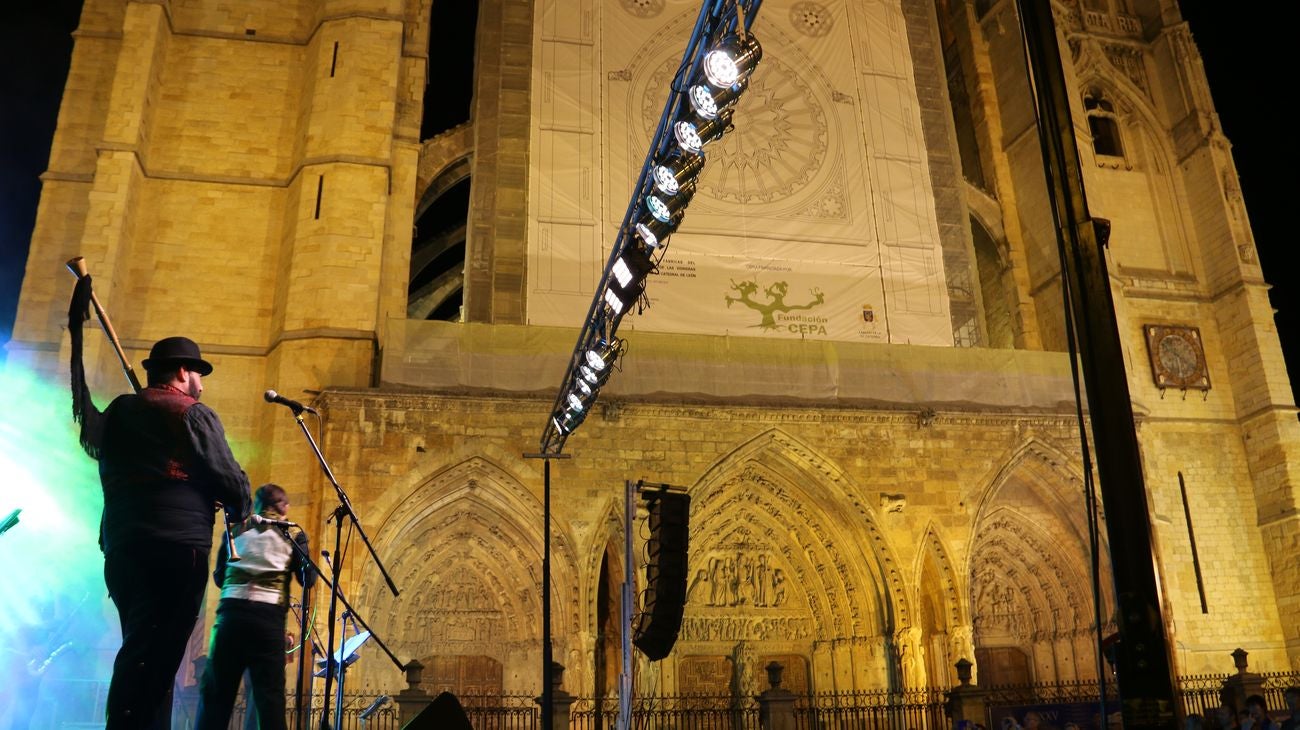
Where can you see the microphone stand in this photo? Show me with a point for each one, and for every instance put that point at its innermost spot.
(336, 594)
(304, 632)
(344, 509)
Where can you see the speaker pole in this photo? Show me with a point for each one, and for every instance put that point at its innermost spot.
(625, 676)
(547, 699)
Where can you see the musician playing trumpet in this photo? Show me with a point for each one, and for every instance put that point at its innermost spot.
(163, 463)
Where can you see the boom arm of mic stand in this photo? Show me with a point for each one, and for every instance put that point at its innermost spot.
(302, 554)
(346, 504)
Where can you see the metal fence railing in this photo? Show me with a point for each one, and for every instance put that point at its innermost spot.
(922, 709)
(1199, 694)
(81, 704)
(670, 712)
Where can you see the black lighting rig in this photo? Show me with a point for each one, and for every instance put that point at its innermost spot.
(714, 72)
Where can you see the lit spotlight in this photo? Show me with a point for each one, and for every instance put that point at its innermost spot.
(733, 59)
(594, 379)
(603, 354)
(709, 103)
(581, 397)
(569, 420)
(664, 207)
(693, 134)
(679, 169)
(653, 232)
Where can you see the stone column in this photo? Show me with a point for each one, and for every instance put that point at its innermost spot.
(776, 704)
(561, 701)
(413, 699)
(1242, 684)
(966, 701)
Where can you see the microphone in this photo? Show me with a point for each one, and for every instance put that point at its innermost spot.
(260, 520)
(9, 521)
(379, 702)
(273, 397)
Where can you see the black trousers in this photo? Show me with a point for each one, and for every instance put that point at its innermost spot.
(249, 635)
(158, 590)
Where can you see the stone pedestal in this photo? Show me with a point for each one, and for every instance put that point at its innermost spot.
(1242, 684)
(561, 701)
(966, 702)
(413, 699)
(776, 704)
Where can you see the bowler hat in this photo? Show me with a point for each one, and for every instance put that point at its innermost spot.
(177, 351)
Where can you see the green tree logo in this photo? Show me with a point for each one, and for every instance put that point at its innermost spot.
(775, 303)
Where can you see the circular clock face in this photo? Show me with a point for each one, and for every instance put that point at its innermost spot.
(1178, 356)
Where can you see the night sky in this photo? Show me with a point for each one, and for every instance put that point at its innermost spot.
(1247, 58)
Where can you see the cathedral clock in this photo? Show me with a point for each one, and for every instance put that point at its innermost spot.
(1177, 357)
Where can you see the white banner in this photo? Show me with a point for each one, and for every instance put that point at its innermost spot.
(814, 217)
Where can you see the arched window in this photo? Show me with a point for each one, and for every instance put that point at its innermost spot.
(437, 281)
(1103, 125)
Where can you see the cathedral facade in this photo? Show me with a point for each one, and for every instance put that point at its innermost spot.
(853, 359)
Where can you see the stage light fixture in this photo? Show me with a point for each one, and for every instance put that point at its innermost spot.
(664, 207)
(654, 232)
(569, 420)
(603, 354)
(628, 279)
(709, 103)
(594, 379)
(581, 397)
(692, 134)
(734, 58)
(677, 170)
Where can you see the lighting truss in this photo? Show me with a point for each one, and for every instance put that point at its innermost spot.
(714, 72)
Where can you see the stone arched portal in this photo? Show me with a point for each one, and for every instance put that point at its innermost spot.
(943, 615)
(786, 560)
(1031, 598)
(465, 546)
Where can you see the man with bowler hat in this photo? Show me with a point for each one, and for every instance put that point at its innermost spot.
(164, 464)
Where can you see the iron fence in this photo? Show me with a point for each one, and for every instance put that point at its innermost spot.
(1275, 685)
(669, 712)
(922, 709)
(1047, 693)
(1199, 694)
(385, 718)
(502, 711)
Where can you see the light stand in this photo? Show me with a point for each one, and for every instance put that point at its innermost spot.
(626, 608)
(548, 721)
(343, 510)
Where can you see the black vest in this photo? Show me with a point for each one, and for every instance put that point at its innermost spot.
(153, 489)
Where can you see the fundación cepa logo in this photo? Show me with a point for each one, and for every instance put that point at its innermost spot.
(775, 311)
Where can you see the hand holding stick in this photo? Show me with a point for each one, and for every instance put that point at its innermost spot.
(77, 266)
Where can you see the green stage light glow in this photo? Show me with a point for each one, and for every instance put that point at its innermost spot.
(60, 627)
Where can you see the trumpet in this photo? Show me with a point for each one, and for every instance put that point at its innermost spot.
(77, 265)
(232, 554)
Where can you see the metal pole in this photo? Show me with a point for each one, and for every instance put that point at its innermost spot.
(1144, 669)
(547, 671)
(547, 719)
(625, 675)
(302, 690)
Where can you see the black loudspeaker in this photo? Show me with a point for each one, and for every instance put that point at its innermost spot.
(444, 713)
(661, 619)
